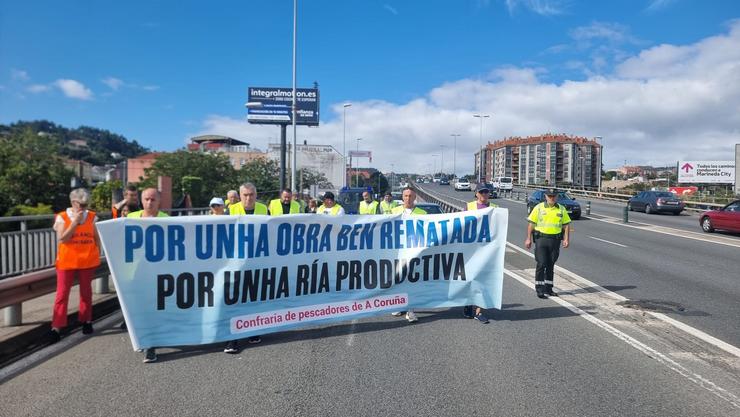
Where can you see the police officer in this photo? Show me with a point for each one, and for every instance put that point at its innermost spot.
(481, 201)
(549, 224)
(368, 205)
(285, 204)
(387, 205)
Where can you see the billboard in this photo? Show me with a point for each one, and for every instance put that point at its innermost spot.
(706, 172)
(275, 103)
(361, 154)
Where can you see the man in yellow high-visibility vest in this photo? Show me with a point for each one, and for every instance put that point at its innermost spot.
(481, 201)
(285, 204)
(387, 205)
(248, 203)
(548, 225)
(368, 205)
(407, 210)
(330, 206)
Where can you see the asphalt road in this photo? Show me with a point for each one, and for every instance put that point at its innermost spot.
(697, 281)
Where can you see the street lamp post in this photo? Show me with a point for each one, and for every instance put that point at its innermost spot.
(442, 159)
(601, 160)
(454, 153)
(344, 142)
(357, 179)
(480, 144)
(434, 159)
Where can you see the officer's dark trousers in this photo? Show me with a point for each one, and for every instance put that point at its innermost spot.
(546, 254)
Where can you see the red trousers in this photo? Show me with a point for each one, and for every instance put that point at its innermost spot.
(65, 280)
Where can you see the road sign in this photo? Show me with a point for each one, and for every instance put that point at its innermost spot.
(361, 154)
(276, 102)
(715, 172)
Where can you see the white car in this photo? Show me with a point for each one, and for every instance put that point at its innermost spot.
(462, 185)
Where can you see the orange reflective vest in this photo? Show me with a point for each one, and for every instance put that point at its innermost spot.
(80, 251)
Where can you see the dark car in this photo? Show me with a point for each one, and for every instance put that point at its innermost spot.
(726, 218)
(430, 208)
(656, 202)
(571, 205)
(444, 181)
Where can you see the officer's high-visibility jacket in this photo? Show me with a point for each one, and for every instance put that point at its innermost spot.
(549, 220)
(334, 210)
(415, 211)
(368, 208)
(387, 207)
(276, 207)
(80, 251)
(140, 212)
(237, 209)
(473, 205)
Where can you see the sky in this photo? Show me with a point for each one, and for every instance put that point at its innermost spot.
(657, 80)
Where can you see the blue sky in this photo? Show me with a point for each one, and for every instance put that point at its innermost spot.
(415, 71)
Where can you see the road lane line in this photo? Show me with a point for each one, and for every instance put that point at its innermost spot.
(647, 350)
(351, 338)
(608, 241)
(718, 343)
(686, 234)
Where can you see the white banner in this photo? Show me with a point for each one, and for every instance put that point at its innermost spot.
(716, 172)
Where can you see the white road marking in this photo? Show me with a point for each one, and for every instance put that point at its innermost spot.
(647, 350)
(351, 338)
(608, 241)
(686, 328)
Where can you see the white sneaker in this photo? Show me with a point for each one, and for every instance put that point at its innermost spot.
(411, 317)
(397, 313)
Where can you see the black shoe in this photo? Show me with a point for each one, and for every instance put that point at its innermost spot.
(552, 293)
(468, 312)
(541, 295)
(232, 347)
(54, 336)
(87, 328)
(254, 339)
(150, 356)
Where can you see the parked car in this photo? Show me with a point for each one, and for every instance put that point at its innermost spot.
(430, 208)
(571, 205)
(462, 185)
(656, 202)
(726, 218)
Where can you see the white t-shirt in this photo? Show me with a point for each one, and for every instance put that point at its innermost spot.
(327, 210)
(59, 221)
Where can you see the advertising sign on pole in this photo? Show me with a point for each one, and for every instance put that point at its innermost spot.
(706, 172)
(361, 154)
(272, 105)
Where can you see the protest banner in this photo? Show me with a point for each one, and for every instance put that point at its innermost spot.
(204, 279)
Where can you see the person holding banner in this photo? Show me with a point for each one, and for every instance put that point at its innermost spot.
(248, 206)
(78, 254)
(481, 202)
(248, 203)
(368, 205)
(285, 204)
(548, 225)
(151, 199)
(330, 206)
(387, 205)
(408, 210)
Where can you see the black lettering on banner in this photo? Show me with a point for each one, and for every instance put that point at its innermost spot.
(386, 273)
(413, 275)
(342, 271)
(324, 281)
(205, 289)
(447, 259)
(251, 284)
(185, 290)
(426, 259)
(370, 274)
(355, 278)
(282, 289)
(301, 282)
(165, 288)
(459, 267)
(268, 284)
(231, 291)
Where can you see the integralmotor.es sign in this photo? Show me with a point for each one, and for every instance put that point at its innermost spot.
(272, 105)
(716, 172)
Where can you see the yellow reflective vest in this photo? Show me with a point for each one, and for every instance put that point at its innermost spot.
(386, 207)
(140, 212)
(276, 207)
(237, 209)
(415, 211)
(473, 205)
(334, 209)
(549, 220)
(368, 208)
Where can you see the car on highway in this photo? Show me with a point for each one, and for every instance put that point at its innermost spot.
(444, 181)
(430, 208)
(461, 185)
(727, 218)
(656, 202)
(571, 205)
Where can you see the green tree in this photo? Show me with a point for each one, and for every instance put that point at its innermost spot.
(215, 171)
(31, 172)
(102, 195)
(264, 174)
(311, 177)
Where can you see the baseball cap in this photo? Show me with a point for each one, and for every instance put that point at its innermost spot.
(483, 189)
(551, 191)
(216, 201)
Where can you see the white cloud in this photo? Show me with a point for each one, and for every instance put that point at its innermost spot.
(113, 83)
(74, 89)
(656, 5)
(541, 7)
(19, 75)
(390, 8)
(38, 88)
(150, 88)
(662, 104)
(603, 31)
